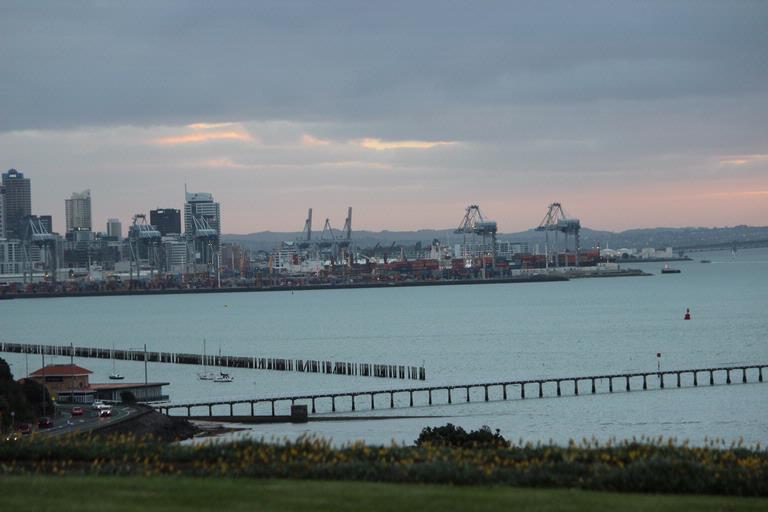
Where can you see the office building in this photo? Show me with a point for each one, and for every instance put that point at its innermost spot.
(166, 220)
(2, 212)
(47, 222)
(78, 211)
(17, 201)
(114, 229)
(202, 225)
(202, 206)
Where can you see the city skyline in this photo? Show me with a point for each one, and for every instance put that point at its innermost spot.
(658, 123)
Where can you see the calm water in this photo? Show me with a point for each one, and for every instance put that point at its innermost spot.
(461, 334)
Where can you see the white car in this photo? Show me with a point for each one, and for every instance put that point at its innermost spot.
(99, 405)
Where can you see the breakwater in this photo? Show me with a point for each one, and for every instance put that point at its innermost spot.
(381, 370)
(458, 393)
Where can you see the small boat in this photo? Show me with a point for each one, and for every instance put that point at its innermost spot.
(205, 375)
(669, 270)
(706, 261)
(115, 375)
(223, 377)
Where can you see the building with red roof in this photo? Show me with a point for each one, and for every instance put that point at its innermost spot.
(69, 383)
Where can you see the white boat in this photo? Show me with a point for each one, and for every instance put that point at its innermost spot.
(115, 375)
(205, 374)
(223, 377)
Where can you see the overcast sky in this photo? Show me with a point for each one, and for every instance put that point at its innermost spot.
(631, 114)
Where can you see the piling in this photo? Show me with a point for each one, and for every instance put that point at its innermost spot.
(449, 389)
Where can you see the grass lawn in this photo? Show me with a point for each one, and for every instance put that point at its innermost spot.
(84, 494)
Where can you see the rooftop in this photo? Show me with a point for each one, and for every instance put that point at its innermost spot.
(126, 385)
(61, 370)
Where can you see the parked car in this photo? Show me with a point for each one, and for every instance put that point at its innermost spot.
(44, 422)
(105, 412)
(24, 428)
(77, 411)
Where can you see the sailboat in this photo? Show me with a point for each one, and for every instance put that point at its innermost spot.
(114, 375)
(205, 374)
(222, 377)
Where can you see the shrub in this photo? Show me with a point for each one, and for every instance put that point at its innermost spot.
(451, 435)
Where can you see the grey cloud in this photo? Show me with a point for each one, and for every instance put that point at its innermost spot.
(178, 62)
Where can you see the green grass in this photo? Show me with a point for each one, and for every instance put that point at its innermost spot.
(90, 493)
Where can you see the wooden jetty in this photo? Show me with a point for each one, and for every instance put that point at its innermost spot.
(386, 371)
(448, 394)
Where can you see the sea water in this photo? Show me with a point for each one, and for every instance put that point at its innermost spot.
(461, 334)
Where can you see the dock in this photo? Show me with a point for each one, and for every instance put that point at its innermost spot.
(380, 370)
(464, 393)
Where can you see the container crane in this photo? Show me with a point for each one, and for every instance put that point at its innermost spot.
(557, 221)
(34, 233)
(474, 223)
(143, 234)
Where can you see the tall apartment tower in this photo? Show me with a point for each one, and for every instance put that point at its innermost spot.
(114, 228)
(166, 220)
(78, 211)
(17, 202)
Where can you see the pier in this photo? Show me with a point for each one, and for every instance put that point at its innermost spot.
(385, 371)
(488, 391)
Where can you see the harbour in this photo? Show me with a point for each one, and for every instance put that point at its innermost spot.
(472, 333)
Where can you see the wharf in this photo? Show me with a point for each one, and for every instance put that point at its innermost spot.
(446, 394)
(533, 278)
(387, 371)
(552, 276)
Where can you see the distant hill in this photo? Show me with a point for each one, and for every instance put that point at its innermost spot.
(651, 237)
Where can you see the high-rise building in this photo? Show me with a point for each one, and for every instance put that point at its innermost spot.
(78, 211)
(201, 205)
(201, 210)
(166, 220)
(114, 229)
(17, 203)
(2, 212)
(47, 222)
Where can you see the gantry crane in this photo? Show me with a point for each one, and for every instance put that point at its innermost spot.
(34, 233)
(143, 234)
(557, 221)
(208, 240)
(474, 223)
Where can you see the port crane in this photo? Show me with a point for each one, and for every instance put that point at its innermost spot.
(143, 234)
(35, 234)
(306, 236)
(474, 223)
(558, 222)
(206, 238)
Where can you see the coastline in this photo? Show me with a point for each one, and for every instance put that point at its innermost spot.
(536, 278)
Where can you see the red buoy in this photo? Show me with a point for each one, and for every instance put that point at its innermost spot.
(687, 314)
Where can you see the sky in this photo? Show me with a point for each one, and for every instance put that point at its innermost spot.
(630, 114)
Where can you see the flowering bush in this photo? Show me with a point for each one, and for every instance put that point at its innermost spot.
(645, 465)
(451, 435)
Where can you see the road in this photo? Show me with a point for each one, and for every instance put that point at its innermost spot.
(65, 423)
